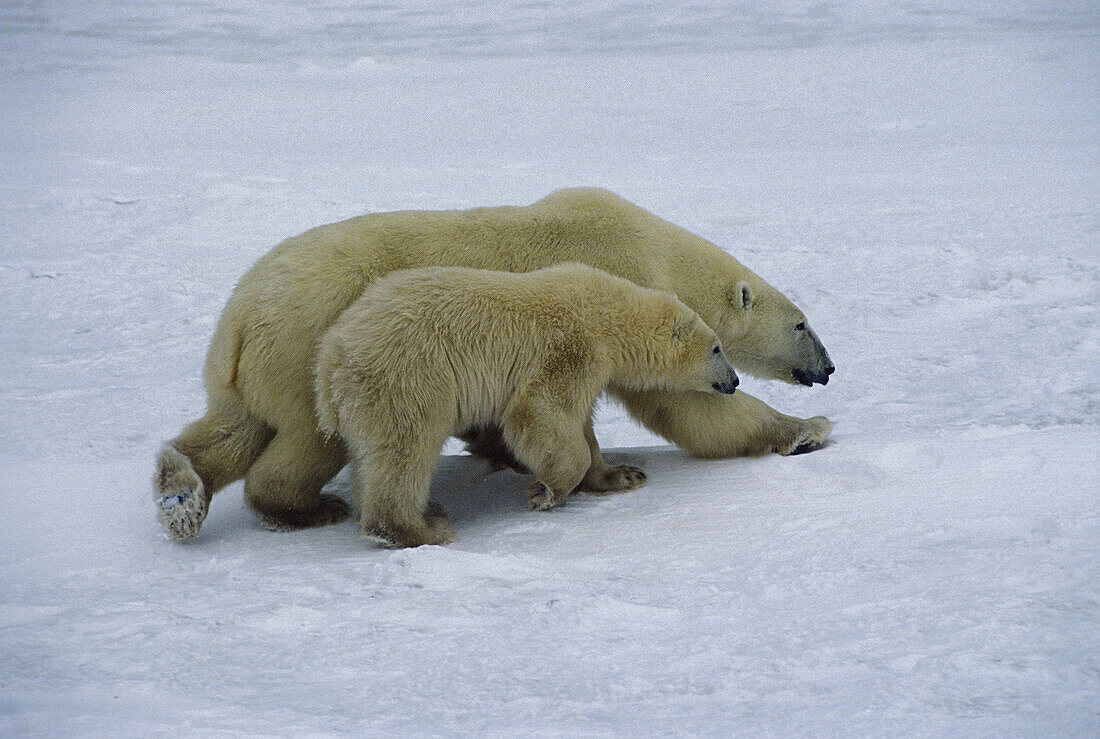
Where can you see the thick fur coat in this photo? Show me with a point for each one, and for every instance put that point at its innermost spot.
(260, 422)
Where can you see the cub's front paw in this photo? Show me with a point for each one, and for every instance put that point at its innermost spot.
(542, 498)
(616, 479)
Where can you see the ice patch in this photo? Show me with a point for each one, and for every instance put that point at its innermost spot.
(168, 502)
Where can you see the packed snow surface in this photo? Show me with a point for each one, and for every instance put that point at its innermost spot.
(923, 180)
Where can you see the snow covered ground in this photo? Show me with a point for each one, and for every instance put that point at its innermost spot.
(923, 181)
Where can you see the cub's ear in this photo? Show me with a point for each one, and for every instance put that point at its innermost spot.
(740, 296)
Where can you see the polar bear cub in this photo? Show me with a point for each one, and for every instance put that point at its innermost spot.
(427, 353)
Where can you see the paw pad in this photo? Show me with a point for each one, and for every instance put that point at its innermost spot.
(168, 502)
(178, 496)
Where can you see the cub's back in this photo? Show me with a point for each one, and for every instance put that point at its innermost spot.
(458, 304)
(448, 337)
(483, 328)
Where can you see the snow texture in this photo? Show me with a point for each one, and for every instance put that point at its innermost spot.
(924, 180)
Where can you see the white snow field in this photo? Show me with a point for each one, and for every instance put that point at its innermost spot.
(923, 179)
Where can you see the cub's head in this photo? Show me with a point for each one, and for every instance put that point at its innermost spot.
(768, 336)
(686, 354)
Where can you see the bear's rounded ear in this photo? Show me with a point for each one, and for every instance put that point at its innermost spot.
(740, 296)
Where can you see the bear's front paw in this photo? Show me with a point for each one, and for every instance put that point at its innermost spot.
(616, 479)
(809, 437)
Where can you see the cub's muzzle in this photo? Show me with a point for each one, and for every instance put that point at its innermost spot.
(727, 378)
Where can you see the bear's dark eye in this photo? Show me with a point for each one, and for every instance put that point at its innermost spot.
(801, 326)
(717, 350)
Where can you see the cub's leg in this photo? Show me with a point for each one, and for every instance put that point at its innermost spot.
(707, 425)
(283, 487)
(602, 478)
(392, 478)
(555, 450)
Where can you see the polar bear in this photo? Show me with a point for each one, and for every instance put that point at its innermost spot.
(260, 421)
(427, 353)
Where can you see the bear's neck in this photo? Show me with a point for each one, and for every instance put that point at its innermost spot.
(698, 272)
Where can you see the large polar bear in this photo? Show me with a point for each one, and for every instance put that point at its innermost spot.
(427, 353)
(260, 421)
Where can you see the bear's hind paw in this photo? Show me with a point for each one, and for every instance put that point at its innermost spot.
(179, 496)
(330, 509)
(181, 515)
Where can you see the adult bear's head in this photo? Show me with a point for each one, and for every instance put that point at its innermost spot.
(766, 335)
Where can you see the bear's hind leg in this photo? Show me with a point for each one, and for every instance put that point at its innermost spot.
(182, 500)
(283, 487)
(208, 455)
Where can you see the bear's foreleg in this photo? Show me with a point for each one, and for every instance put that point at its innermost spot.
(707, 425)
(548, 441)
(600, 479)
(486, 442)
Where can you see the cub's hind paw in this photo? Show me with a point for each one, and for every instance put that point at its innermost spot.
(433, 529)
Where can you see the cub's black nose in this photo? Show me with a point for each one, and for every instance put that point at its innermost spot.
(726, 388)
